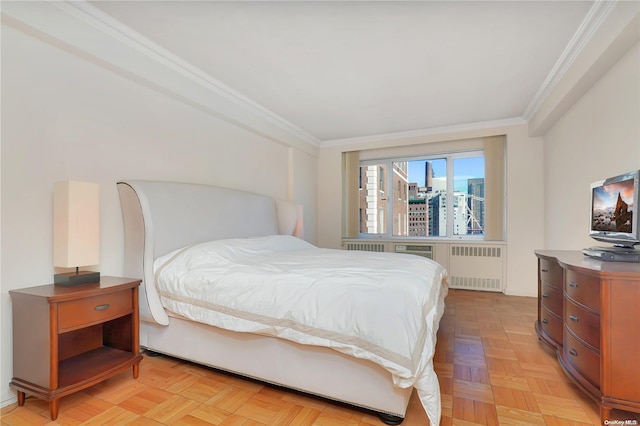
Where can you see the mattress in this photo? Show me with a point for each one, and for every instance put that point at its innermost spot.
(382, 307)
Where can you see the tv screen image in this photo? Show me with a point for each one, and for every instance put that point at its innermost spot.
(615, 218)
(613, 207)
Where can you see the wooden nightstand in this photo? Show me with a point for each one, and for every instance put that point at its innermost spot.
(66, 339)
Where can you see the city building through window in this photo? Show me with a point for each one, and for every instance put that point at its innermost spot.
(433, 196)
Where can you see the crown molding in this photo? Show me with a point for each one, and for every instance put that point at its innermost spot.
(480, 127)
(594, 19)
(91, 30)
(108, 41)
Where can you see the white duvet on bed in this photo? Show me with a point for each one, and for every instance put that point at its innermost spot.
(383, 307)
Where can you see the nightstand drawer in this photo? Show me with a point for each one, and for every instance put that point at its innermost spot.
(90, 310)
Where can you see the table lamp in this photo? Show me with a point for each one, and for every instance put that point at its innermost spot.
(76, 231)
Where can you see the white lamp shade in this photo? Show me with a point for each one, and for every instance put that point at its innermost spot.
(76, 224)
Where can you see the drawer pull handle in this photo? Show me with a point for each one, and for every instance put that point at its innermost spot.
(574, 318)
(544, 270)
(102, 307)
(545, 295)
(574, 285)
(545, 321)
(573, 352)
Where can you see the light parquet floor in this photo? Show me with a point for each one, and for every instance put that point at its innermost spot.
(491, 366)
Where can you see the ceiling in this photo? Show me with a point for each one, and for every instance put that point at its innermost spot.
(339, 70)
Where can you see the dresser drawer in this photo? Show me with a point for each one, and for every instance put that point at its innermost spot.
(551, 325)
(583, 289)
(586, 361)
(93, 310)
(550, 273)
(584, 324)
(551, 299)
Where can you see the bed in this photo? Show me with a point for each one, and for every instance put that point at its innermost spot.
(271, 315)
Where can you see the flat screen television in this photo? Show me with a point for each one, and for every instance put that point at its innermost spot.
(614, 213)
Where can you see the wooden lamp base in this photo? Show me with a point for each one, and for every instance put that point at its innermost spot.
(76, 278)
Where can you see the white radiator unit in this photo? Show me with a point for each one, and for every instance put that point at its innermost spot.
(364, 246)
(424, 250)
(477, 267)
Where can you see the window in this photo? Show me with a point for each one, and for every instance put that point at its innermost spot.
(450, 189)
(439, 196)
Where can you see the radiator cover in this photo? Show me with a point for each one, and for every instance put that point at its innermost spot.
(471, 266)
(477, 267)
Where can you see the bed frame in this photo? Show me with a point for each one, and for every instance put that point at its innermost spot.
(160, 217)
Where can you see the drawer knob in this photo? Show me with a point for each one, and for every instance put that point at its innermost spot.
(574, 285)
(545, 295)
(573, 352)
(545, 321)
(544, 270)
(102, 307)
(574, 318)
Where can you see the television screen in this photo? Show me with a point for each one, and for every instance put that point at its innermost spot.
(613, 207)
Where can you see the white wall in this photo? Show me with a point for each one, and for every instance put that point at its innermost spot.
(598, 137)
(590, 125)
(66, 115)
(303, 189)
(524, 196)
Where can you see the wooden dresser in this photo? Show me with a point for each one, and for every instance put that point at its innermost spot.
(589, 312)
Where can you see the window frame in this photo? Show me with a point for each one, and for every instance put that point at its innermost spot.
(449, 157)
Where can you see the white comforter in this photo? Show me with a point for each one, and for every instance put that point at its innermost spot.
(383, 307)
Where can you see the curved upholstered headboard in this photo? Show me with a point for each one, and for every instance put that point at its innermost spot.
(160, 217)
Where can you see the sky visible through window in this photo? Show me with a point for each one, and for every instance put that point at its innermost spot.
(464, 169)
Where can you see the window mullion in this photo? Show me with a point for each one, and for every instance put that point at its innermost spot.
(450, 196)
